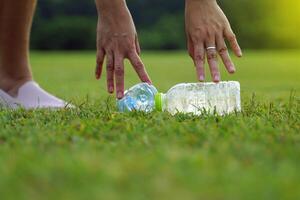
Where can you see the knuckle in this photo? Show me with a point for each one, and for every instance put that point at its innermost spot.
(211, 55)
(110, 66)
(110, 69)
(99, 60)
(118, 67)
(218, 26)
(199, 57)
(200, 30)
(138, 65)
(223, 50)
(110, 80)
(131, 47)
(232, 37)
(195, 38)
(119, 71)
(131, 53)
(196, 35)
(210, 33)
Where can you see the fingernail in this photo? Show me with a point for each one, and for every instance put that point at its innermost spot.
(232, 69)
(148, 81)
(201, 78)
(240, 53)
(111, 89)
(216, 78)
(119, 95)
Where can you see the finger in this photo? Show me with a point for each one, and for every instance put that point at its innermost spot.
(199, 55)
(212, 59)
(223, 52)
(137, 45)
(230, 36)
(190, 47)
(119, 74)
(99, 63)
(139, 67)
(110, 72)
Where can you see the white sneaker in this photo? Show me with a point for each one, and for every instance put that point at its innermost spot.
(31, 96)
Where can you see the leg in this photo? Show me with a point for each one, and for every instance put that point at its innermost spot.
(16, 87)
(15, 24)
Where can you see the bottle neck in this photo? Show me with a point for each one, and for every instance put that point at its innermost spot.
(159, 101)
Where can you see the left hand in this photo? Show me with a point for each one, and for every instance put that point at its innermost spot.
(206, 28)
(117, 40)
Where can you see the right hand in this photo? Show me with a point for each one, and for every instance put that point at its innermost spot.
(206, 29)
(117, 40)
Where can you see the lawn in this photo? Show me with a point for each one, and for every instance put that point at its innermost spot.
(94, 152)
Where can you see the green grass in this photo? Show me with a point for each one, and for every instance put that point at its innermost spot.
(94, 152)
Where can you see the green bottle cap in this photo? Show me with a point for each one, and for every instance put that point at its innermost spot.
(158, 101)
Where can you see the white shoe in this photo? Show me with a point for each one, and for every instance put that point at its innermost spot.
(31, 96)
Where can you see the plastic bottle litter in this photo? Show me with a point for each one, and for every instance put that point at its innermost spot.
(140, 97)
(196, 98)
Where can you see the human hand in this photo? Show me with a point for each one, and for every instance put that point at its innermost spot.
(206, 28)
(117, 40)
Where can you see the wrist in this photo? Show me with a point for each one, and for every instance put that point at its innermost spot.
(202, 2)
(196, 5)
(111, 8)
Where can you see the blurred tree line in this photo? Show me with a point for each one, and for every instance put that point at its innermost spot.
(71, 24)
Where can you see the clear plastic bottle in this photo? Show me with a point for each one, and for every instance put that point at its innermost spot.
(222, 98)
(140, 97)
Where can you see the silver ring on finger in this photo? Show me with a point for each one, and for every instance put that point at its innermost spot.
(211, 48)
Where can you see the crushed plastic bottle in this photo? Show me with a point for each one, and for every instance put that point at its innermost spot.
(196, 98)
(140, 97)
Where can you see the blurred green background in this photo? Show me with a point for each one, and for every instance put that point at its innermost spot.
(94, 152)
(71, 24)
